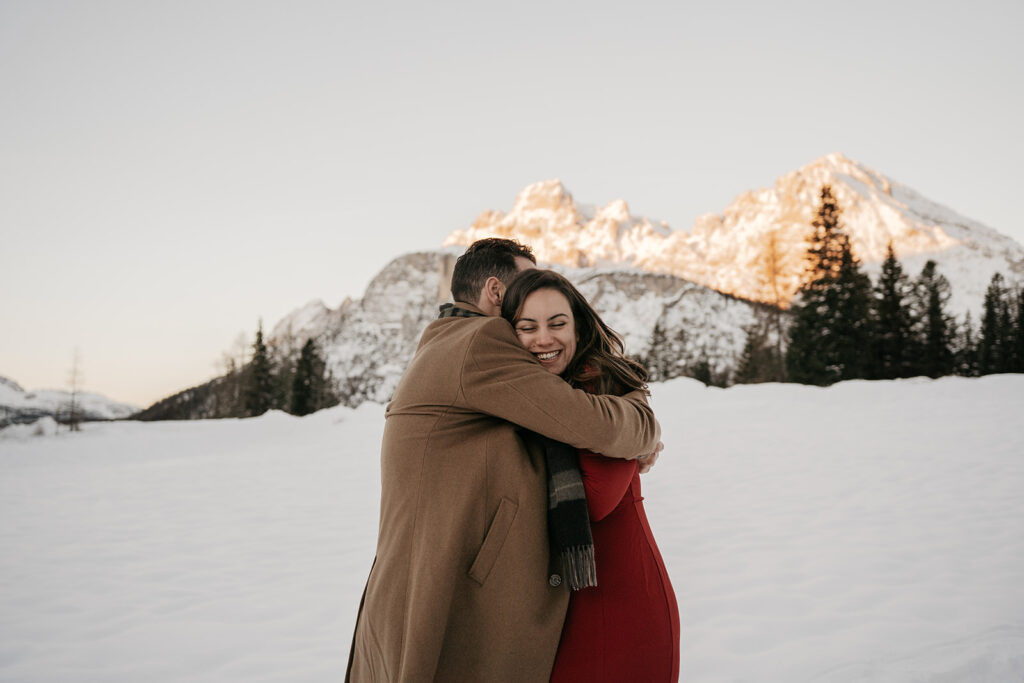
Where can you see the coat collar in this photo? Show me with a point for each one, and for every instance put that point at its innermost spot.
(460, 309)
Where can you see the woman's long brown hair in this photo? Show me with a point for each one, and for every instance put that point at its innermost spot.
(600, 364)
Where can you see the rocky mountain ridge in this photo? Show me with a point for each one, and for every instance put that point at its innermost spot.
(692, 294)
(368, 342)
(762, 232)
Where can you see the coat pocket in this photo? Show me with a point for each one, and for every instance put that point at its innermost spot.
(493, 541)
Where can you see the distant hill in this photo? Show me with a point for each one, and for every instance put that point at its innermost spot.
(18, 406)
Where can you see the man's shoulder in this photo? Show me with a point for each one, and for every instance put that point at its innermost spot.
(449, 345)
(472, 330)
(483, 339)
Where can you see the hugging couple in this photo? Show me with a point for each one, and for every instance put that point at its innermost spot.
(513, 543)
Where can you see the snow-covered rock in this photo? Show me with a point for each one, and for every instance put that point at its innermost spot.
(369, 342)
(306, 321)
(44, 426)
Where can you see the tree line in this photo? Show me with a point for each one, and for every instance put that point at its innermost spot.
(284, 377)
(256, 377)
(844, 326)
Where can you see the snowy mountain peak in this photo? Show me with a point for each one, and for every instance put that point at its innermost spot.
(303, 321)
(838, 163)
(560, 230)
(617, 211)
(755, 248)
(546, 194)
(11, 385)
(875, 209)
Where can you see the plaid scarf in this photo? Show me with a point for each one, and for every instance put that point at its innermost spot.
(453, 311)
(568, 520)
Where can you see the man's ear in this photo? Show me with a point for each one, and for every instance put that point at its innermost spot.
(493, 291)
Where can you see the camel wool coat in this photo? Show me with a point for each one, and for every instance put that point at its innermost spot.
(462, 587)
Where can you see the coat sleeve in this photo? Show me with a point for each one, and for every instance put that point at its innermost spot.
(605, 481)
(501, 378)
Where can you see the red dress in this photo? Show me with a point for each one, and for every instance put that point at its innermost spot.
(627, 627)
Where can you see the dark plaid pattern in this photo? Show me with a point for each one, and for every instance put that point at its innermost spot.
(568, 519)
(453, 311)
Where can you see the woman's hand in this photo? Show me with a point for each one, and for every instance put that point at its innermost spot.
(647, 461)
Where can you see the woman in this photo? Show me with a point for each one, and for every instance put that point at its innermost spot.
(626, 627)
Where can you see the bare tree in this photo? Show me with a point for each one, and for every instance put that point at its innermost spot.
(226, 393)
(240, 349)
(771, 261)
(235, 359)
(774, 261)
(74, 382)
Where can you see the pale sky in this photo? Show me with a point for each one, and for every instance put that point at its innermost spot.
(172, 172)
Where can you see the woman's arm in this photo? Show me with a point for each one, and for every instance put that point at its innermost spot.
(606, 481)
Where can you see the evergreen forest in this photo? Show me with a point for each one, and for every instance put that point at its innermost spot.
(844, 326)
(256, 378)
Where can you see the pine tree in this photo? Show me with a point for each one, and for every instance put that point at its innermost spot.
(309, 382)
(751, 370)
(284, 354)
(965, 355)
(890, 322)
(758, 363)
(1006, 356)
(259, 394)
(853, 316)
(806, 360)
(992, 346)
(829, 337)
(808, 353)
(701, 371)
(936, 328)
(656, 362)
(760, 360)
(1018, 333)
(664, 351)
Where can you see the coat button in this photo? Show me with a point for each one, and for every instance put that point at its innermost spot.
(555, 580)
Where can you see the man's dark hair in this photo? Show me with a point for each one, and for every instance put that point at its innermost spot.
(491, 257)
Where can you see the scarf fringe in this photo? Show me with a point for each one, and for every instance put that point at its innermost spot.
(580, 567)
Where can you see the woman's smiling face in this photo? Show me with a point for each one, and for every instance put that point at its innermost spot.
(545, 326)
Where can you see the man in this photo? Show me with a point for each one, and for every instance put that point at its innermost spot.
(462, 588)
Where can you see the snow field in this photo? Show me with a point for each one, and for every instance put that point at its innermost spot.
(870, 531)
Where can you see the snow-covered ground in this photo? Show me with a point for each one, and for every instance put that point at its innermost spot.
(864, 532)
